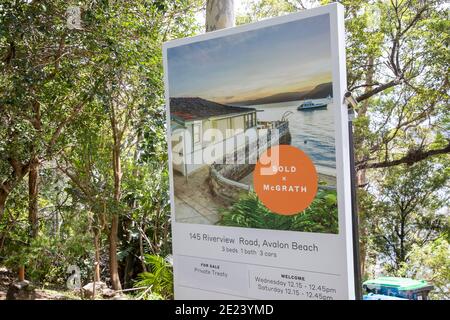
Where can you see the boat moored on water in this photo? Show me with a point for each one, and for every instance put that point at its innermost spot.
(308, 105)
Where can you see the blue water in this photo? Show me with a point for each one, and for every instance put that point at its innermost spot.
(312, 131)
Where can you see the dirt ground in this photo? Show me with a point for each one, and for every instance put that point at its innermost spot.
(7, 277)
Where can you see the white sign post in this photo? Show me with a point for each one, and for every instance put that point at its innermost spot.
(259, 160)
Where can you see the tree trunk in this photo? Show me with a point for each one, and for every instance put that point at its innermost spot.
(33, 192)
(402, 254)
(97, 255)
(141, 250)
(19, 172)
(21, 273)
(3, 197)
(361, 174)
(33, 176)
(219, 14)
(128, 270)
(113, 263)
(113, 235)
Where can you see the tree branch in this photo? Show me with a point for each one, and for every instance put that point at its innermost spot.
(79, 108)
(378, 89)
(410, 158)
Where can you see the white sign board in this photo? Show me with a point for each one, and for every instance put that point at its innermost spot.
(259, 160)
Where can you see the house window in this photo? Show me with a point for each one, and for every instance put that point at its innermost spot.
(196, 133)
(250, 120)
(238, 123)
(229, 129)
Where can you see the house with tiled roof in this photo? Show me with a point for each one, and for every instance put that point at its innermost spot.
(198, 123)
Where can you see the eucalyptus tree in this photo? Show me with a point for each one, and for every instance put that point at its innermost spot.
(47, 79)
(134, 54)
(398, 70)
(72, 96)
(394, 52)
(410, 210)
(129, 36)
(219, 14)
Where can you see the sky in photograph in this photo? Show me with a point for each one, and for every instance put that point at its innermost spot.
(289, 57)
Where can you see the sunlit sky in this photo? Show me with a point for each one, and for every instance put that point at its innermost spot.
(294, 56)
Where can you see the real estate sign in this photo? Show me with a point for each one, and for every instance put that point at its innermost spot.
(259, 160)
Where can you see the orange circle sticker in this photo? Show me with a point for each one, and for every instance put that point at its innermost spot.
(285, 180)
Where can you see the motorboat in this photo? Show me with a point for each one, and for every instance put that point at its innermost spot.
(307, 105)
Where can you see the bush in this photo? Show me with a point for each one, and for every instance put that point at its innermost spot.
(430, 262)
(159, 281)
(320, 216)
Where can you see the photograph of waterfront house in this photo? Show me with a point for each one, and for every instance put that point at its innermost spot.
(230, 99)
(191, 118)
